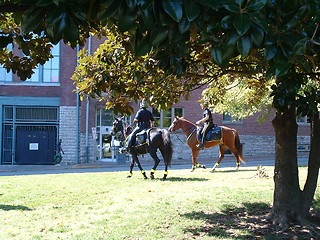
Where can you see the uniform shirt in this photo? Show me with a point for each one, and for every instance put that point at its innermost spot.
(144, 115)
(207, 112)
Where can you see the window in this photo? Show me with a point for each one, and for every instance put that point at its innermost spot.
(49, 72)
(104, 117)
(163, 118)
(226, 118)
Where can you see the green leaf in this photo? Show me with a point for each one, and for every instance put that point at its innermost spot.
(143, 47)
(71, 33)
(184, 25)
(300, 46)
(158, 35)
(232, 7)
(210, 3)
(270, 51)
(173, 8)
(305, 64)
(244, 45)
(192, 10)
(216, 55)
(126, 19)
(5, 41)
(232, 40)
(110, 10)
(256, 5)
(242, 23)
(32, 19)
(147, 22)
(226, 22)
(282, 68)
(257, 35)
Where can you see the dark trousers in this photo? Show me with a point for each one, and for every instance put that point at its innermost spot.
(205, 130)
(132, 136)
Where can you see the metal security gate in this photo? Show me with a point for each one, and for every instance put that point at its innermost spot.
(35, 144)
(29, 134)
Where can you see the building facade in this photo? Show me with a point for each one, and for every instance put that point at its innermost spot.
(38, 112)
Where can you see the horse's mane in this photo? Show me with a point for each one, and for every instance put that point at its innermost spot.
(186, 120)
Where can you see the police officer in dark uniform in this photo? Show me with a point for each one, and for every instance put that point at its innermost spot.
(144, 119)
(208, 124)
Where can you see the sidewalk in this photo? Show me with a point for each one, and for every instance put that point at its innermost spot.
(264, 160)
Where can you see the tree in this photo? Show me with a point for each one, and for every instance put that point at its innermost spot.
(276, 39)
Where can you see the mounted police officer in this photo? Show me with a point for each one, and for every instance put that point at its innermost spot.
(208, 124)
(144, 120)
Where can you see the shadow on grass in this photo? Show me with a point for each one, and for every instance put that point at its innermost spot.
(14, 207)
(247, 223)
(180, 179)
(233, 171)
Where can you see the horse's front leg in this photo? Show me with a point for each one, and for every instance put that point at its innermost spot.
(153, 154)
(195, 164)
(135, 159)
(221, 156)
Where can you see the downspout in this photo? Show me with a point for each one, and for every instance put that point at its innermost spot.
(78, 118)
(87, 110)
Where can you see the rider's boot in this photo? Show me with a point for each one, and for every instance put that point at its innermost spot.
(201, 145)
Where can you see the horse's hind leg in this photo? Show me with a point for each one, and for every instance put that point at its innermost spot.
(236, 154)
(153, 154)
(221, 156)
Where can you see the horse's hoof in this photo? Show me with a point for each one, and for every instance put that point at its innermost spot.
(204, 167)
(145, 177)
(192, 169)
(151, 176)
(129, 176)
(213, 170)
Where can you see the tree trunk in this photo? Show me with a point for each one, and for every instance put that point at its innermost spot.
(313, 166)
(287, 193)
(290, 203)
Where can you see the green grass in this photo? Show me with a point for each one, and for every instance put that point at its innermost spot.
(187, 205)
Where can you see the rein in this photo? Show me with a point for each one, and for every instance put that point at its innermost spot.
(191, 134)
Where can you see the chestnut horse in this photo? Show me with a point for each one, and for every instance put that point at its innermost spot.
(229, 138)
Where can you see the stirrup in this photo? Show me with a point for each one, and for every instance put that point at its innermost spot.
(200, 146)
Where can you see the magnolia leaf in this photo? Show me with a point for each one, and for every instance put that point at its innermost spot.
(244, 45)
(216, 55)
(242, 23)
(192, 10)
(173, 8)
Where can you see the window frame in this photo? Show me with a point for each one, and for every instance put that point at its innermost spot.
(162, 116)
(231, 121)
(41, 69)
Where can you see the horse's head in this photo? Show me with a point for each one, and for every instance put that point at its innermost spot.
(175, 125)
(117, 126)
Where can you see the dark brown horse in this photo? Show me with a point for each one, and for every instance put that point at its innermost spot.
(229, 138)
(157, 139)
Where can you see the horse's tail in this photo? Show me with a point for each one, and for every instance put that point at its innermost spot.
(168, 150)
(238, 146)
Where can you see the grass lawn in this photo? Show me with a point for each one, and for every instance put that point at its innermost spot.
(199, 205)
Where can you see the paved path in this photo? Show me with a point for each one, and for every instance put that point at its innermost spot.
(252, 161)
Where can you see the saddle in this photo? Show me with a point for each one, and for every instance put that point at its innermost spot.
(212, 135)
(142, 137)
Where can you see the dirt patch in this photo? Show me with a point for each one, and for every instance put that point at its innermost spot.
(241, 223)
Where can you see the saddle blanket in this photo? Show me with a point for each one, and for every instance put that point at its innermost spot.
(212, 135)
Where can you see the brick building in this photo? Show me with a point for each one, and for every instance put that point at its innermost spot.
(38, 112)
